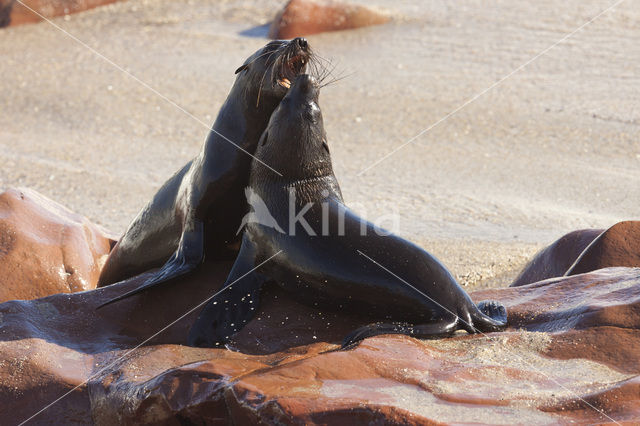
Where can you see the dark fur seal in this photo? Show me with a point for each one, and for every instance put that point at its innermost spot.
(328, 262)
(199, 209)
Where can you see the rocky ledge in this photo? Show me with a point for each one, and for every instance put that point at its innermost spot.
(570, 354)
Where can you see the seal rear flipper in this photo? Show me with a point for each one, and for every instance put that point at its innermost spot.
(234, 306)
(186, 258)
(228, 312)
(492, 316)
(442, 328)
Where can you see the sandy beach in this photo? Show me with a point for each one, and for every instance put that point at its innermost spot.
(552, 148)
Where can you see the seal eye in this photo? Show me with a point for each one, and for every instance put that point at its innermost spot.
(242, 68)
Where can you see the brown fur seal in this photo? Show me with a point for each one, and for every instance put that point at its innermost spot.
(328, 256)
(199, 209)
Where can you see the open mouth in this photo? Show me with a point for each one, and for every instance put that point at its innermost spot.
(291, 68)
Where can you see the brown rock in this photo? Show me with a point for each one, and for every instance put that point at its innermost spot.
(570, 354)
(584, 251)
(572, 339)
(617, 246)
(304, 17)
(22, 14)
(45, 248)
(555, 260)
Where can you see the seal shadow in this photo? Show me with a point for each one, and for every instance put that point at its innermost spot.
(72, 320)
(259, 31)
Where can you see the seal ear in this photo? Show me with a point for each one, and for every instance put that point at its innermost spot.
(242, 68)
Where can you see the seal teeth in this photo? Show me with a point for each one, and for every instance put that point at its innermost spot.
(284, 82)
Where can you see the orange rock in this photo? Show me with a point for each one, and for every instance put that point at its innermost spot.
(584, 251)
(617, 246)
(303, 17)
(556, 259)
(19, 14)
(45, 248)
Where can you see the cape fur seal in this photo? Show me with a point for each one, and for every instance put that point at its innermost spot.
(328, 256)
(199, 209)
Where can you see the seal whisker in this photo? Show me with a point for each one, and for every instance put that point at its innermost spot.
(316, 68)
(336, 79)
(265, 74)
(271, 53)
(328, 72)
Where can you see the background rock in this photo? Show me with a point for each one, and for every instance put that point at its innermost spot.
(14, 13)
(556, 259)
(45, 248)
(617, 246)
(304, 17)
(584, 251)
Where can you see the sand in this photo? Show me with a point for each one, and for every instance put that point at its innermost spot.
(553, 148)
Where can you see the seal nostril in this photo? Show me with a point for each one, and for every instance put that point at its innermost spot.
(302, 42)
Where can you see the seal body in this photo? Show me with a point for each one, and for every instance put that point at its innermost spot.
(327, 255)
(199, 209)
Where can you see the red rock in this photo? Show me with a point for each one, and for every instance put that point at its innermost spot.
(617, 246)
(571, 341)
(304, 17)
(584, 251)
(15, 13)
(556, 259)
(45, 248)
(556, 353)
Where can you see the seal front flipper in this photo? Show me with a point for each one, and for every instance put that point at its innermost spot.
(234, 306)
(492, 316)
(186, 258)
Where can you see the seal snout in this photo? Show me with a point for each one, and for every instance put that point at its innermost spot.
(294, 61)
(305, 82)
(306, 87)
(301, 42)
